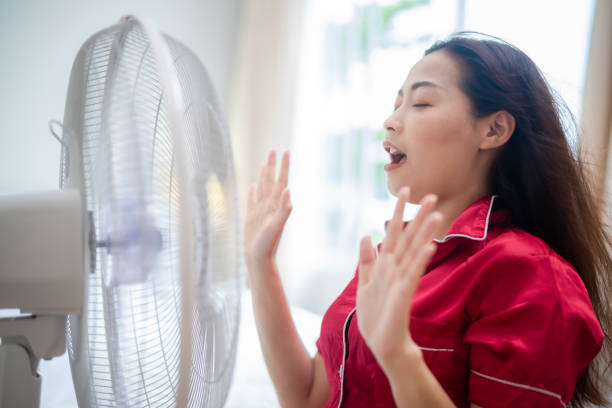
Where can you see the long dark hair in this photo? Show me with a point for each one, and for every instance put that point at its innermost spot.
(539, 178)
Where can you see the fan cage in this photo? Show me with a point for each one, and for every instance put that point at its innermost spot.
(124, 348)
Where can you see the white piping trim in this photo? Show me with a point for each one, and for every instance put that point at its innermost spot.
(344, 335)
(435, 349)
(527, 387)
(447, 237)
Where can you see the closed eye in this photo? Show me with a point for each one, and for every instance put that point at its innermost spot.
(420, 105)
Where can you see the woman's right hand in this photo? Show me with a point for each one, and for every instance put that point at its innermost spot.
(268, 208)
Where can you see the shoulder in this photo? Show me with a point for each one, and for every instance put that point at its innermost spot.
(515, 266)
(513, 241)
(527, 255)
(531, 322)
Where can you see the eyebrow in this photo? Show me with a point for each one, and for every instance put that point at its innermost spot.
(418, 85)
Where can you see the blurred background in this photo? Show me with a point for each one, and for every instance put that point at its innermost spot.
(315, 77)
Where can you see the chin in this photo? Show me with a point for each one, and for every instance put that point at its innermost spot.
(414, 196)
(395, 187)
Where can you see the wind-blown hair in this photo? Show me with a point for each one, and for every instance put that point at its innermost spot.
(539, 178)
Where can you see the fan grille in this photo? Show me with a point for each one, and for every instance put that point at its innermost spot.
(124, 349)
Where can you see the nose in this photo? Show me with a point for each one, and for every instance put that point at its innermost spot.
(392, 123)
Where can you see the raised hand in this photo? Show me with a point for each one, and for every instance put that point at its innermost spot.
(268, 208)
(387, 282)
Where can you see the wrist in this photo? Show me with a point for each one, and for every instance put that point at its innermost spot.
(407, 359)
(259, 262)
(258, 270)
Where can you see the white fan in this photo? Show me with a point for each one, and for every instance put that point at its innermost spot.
(141, 245)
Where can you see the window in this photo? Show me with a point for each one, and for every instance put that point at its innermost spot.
(355, 55)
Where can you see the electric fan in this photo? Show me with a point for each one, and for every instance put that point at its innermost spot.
(141, 245)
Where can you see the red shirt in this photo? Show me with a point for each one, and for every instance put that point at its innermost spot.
(502, 320)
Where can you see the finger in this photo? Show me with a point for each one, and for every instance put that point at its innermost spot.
(416, 269)
(405, 240)
(269, 173)
(280, 218)
(260, 183)
(367, 257)
(283, 177)
(422, 238)
(396, 224)
(283, 211)
(251, 199)
(426, 233)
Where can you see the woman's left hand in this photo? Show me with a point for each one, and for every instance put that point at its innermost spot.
(387, 282)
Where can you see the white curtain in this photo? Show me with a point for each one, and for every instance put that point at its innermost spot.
(262, 92)
(596, 119)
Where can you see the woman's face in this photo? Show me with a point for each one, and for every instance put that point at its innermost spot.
(432, 135)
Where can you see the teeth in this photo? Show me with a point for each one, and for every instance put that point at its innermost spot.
(392, 150)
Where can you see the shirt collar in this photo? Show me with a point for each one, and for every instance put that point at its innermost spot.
(473, 223)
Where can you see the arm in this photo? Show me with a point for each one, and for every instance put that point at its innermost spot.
(413, 384)
(386, 286)
(299, 380)
(419, 388)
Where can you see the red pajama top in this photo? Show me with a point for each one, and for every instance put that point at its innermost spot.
(502, 321)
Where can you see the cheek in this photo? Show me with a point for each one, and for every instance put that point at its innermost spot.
(441, 147)
(441, 132)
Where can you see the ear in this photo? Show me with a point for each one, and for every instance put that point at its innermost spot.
(499, 127)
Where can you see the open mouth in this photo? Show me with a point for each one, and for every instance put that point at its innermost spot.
(397, 157)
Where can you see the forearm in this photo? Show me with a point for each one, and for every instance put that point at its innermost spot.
(413, 384)
(287, 360)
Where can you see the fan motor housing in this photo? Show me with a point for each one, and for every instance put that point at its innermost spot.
(41, 252)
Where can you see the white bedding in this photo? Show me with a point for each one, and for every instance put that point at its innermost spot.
(251, 387)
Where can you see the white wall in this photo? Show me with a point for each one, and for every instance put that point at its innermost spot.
(38, 43)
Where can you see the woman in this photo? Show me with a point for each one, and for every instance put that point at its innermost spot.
(495, 294)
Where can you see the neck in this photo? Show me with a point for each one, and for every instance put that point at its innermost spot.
(451, 207)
